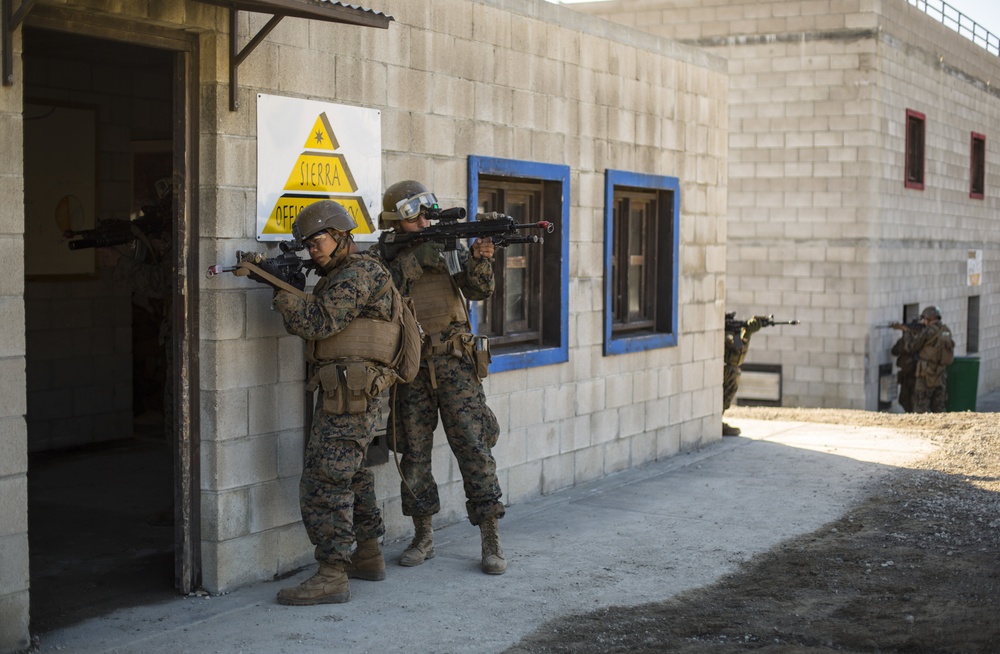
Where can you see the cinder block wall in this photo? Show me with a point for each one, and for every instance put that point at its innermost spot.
(820, 225)
(927, 67)
(13, 430)
(515, 79)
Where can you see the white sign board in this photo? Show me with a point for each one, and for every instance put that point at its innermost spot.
(309, 150)
(974, 264)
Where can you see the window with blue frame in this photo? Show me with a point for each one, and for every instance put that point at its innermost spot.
(641, 249)
(527, 317)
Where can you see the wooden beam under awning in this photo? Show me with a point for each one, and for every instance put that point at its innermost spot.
(325, 10)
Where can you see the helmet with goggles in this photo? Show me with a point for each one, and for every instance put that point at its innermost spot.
(320, 217)
(404, 201)
(931, 313)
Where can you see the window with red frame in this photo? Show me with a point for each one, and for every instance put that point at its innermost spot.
(915, 132)
(977, 167)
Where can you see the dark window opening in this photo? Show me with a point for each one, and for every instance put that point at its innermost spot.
(641, 261)
(977, 167)
(972, 333)
(915, 134)
(524, 309)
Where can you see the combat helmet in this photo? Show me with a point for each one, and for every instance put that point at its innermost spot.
(931, 313)
(322, 216)
(403, 201)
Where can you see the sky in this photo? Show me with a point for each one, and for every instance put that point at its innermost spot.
(986, 14)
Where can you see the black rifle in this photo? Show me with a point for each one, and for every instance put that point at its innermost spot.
(288, 266)
(108, 233)
(913, 325)
(734, 325)
(502, 230)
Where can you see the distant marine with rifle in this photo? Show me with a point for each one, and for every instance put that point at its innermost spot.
(738, 333)
(906, 360)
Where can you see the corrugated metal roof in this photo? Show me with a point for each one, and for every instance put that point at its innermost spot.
(325, 10)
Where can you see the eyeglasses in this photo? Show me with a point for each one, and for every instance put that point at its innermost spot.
(313, 242)
(410, 208)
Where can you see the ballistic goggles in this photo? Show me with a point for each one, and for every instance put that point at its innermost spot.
(409, 209)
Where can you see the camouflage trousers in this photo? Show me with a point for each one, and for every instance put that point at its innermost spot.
(471, 430)
(337, 492)
(730, 384)
(930, 399)
(907, 386)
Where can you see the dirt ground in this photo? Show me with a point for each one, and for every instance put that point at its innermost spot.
(914, 568)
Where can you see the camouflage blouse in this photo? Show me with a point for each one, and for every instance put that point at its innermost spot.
(343, 294)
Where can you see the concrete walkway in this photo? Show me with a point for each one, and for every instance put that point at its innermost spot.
(635, 537)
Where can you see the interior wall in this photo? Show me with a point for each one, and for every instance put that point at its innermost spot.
(80, 326)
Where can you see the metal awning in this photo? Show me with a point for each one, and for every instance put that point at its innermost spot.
(325, 10)
(9, 20)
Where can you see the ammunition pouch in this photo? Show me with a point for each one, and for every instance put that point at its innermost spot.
(348, 386)
(481, 355)
(932, 373)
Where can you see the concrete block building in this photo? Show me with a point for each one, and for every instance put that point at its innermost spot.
(863, 180)
(606, 337)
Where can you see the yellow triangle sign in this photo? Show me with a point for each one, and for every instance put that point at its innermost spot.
(321, 137)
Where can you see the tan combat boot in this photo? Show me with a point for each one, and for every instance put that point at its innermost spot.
(422, 546)
(367, 562)
(328, 586)
(494, 562)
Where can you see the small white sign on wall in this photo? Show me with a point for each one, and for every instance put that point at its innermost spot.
(308, 150)
(975, 267)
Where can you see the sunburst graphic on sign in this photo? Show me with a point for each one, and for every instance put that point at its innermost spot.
(322, 136)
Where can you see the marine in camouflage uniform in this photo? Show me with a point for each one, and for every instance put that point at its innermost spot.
(935, 349)
(447, 383)
(737, 343)
(906, 361)
(337, 492)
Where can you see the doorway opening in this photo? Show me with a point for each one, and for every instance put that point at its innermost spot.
(99, 144)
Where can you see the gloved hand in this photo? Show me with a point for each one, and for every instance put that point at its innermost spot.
(298, 280)
(754, 324)
(428, 255)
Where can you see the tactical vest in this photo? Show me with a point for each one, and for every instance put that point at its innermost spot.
(364, 338)
(353, 366)
(438, 301)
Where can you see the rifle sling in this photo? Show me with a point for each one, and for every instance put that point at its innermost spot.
(245, 268)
